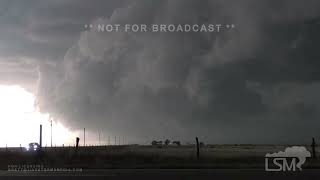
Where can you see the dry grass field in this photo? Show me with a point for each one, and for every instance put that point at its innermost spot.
(137, 156)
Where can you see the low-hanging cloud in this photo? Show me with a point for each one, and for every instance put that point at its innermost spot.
(181, 85)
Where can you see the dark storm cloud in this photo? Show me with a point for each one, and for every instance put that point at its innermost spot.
(47, 28)
(41, 32)
(233, 86)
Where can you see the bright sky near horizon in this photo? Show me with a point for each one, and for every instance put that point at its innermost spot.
(20, 121)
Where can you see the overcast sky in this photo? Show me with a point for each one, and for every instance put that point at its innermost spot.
(258, 83)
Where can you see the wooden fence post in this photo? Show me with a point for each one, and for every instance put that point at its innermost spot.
(198, 151)
(77, 142)
(313, 148)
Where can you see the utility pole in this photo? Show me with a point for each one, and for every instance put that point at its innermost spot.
(99, 138)
(40, 140)
(84, 136)
(51, 131)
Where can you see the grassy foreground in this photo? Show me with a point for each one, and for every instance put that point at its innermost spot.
(136, 156)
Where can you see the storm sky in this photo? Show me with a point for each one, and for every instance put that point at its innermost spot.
(258, 83)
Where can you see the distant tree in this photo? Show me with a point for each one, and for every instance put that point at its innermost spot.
(177, 143)
(167, 142)
(201, 144)
(156, 143)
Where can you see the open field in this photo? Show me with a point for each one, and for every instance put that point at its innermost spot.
(135, 156)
